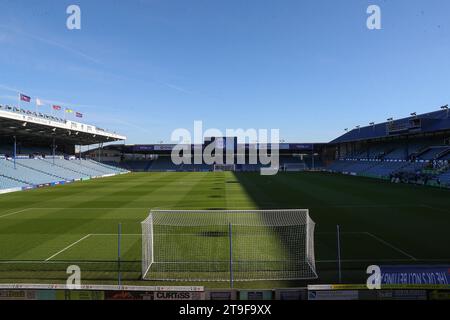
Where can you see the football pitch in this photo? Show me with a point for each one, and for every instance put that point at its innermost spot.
(44, 231)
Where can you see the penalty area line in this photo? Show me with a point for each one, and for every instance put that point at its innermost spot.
(377, 239)
(68, 247)
(391, 246)
(15, 212)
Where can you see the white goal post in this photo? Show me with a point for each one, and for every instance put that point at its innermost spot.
(228, 245)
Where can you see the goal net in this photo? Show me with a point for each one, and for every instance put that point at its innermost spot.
(224, 167)
(224, 245)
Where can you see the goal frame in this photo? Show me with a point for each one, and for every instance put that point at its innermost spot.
(148, 246)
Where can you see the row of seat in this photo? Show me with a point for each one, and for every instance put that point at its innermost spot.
(419, 150)
(376, 168)
(8, 183)
(38, 171)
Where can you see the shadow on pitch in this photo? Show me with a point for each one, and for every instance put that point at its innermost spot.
(265, 194)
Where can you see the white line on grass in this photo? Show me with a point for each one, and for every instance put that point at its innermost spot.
(344, 232)
(134, 208)
(87, 208)
(13, 213)
(69, 246)
(115, 234)
(376, 238)
(391, 246)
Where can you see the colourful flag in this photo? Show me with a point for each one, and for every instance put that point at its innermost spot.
(25, 98)
(69, 110)
(79, 115)
(57, 108)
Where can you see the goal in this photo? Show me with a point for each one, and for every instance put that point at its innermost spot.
(224, 167)
(228, 245)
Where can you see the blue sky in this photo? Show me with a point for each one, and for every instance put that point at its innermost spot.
(310, 68)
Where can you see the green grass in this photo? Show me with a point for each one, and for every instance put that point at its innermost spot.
(380, 222)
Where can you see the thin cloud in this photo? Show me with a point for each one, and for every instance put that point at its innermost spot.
(174, 87)
(87, 57)
(9, 97)
(8, 88)
(52, 43)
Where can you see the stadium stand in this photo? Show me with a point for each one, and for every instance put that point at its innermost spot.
(417, 146)
(9, 183)
(445, 157)
(163, 163)
(26, 174)
(35, 172)
(385, 169)
(111, 169)
(48, 165)
(433, 153)
(38, 150)
(396, 153)
(445, 178)
(31, 113)
(81, 167)
(134, 165)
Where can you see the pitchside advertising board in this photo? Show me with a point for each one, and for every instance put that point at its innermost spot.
(360, 294)
(415, 275)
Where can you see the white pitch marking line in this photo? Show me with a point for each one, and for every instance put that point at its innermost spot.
(344, 232)
(115, 234)
(12, 213)
(86, 208)
(391, 246)
(68, 247)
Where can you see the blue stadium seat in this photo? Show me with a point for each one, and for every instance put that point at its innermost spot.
(38, 171)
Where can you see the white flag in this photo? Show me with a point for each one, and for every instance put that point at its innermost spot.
(39, 102)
